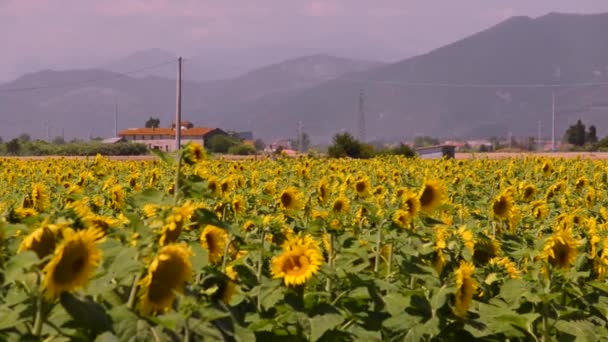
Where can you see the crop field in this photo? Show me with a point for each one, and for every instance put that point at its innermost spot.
(385, 249)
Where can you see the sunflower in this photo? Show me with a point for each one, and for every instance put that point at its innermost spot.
(486, 248)
(40, 197)
(214, 240)
(150, 210)
(362, 186)
(193, 153)
(341, 205)
(509, 266)
(581, 183)
(410, 203)
(439, 258)
(527, 192)
(41, 241)
(539, 210)
(501, 207)
(239, 205)
(466, 286)
(73, 263)
(167, 275)
(323, 191)
(560, 249)
(213, 185)
(117, 197)
(402, 218)
(600, 264)
(290, 199)
(467, 238)
(300, 260)
(431, 195)
(228, 288)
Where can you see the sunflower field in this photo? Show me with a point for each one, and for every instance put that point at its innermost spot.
(187, 248)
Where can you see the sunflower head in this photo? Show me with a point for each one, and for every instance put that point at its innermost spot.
(560, 249)
(323, 191)
(402, 218)
(362, 186)
(214, 240)
(168, 274)
(300, 260)
(502, 205)
(539, 209)
(527, 192)
(213, 185)
(432, 195)
(41, 241)
(40, 197)
(238, 205)
(410, 203)
(290, 199)
(341, 205)
(73, 262)
(466, 286)
(193, 153)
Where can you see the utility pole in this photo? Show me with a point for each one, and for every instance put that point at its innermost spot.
(300, 138)
(553, 121)
(48, 137)
(538, 140)
(116, 120)
(362, 116)
(178, 109)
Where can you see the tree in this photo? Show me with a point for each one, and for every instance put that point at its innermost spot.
(59, 140)
(576, 134)
(24, 137)
(592, 135)
(345, 145)
(153, 123)
(422, 141)
(259, 144)
(13, 147)
(221, 143)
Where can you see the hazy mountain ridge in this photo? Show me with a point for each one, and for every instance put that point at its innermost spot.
(78, 101)
(520, 50)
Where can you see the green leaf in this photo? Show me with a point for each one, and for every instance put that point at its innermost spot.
(396, 303)
(106, 337)
(320, 324)
(9, 318)
(16, 265)
(87, 313)
(125, 321)
(582, 331)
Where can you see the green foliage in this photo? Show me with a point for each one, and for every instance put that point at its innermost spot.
(42, 148)
(242, 150)
(575, 134)
(221, 143)
(153, 123)
(345, 145)
(423, 141)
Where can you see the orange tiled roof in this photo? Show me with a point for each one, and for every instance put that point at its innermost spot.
(195, 131)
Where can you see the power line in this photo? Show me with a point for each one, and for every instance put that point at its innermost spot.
(70, 84)
(476, 85)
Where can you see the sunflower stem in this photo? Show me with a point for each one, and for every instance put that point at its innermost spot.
(133, 292)
(330, 263)
(260, 266)
(178, 174)
(226, 247)
(389, 262)
(39, 318)
(378, 248)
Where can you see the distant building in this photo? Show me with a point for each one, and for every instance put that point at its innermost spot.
(248, 135)
(436, 152)
(164, 138)
(113, 140)
(284, 144)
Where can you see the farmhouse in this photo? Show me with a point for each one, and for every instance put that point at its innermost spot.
(164, 138)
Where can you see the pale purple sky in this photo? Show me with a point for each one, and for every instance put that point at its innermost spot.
(38, 34)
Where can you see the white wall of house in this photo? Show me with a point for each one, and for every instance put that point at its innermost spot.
(166, 145)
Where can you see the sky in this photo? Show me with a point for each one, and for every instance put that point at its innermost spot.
(60, 34)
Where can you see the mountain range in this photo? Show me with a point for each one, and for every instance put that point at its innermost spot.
(492, 83)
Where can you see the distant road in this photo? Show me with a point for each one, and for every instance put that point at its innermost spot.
(486, 155)
(503, 155)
